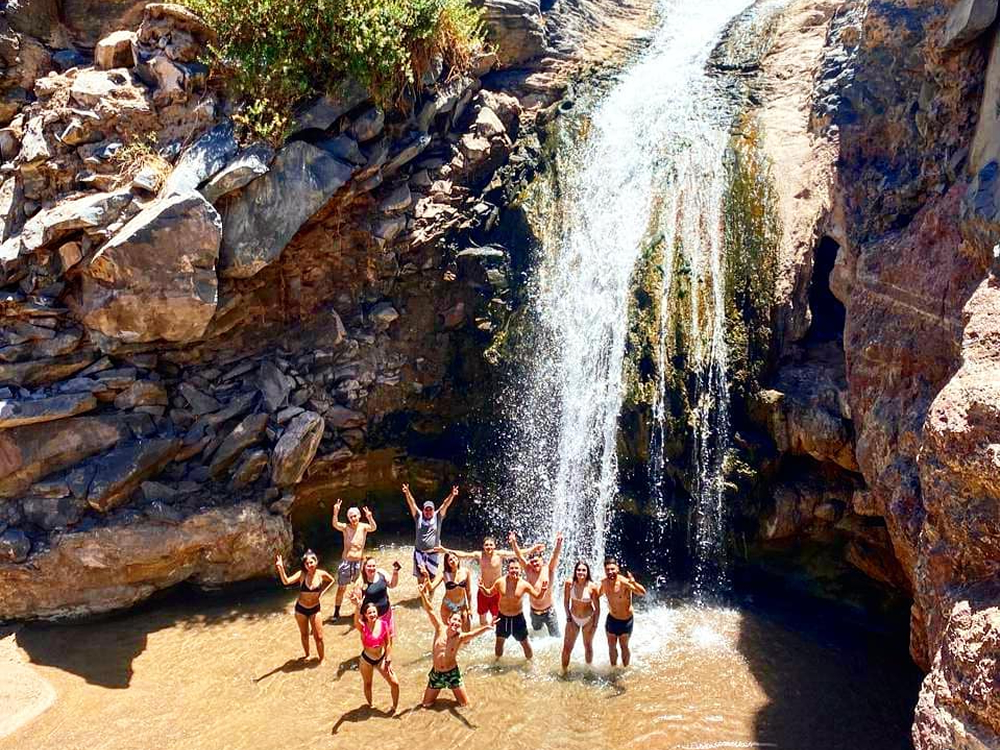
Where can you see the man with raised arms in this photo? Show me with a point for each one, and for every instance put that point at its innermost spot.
(618, 625)
(512, 588)
(536, 572)
(490, 561)
(448, 639)
(355, 533)
(428, 531)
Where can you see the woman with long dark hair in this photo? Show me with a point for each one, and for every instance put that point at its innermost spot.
(457, 583)
(313, 583)
(376, 648)
(375, 584)
(582, 599)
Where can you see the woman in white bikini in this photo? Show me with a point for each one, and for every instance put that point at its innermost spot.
(582, 598)
(457, 583)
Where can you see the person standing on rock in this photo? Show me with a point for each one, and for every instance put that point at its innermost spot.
(313, 583)
(543, 613)
(355, 534)
(512, 588)
(618, 624)
(448, 639)
(491, 562)
(428, 531)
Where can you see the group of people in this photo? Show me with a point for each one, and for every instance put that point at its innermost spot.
(506, 576)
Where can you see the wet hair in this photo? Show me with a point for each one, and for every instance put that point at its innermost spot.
(610, 561)
(363, 564)
(585, 564)
(453, 556)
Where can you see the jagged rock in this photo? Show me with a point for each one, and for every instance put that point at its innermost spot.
(157, 491)
(88, 213)
(110, 93)
(344, 148)
(203, 160)
(121, 471)
(265, 216)
(368, 125)
(287, 413)
(44, 371)
(245, 434)
(168, 79)
(274, 385)
(398, 200)
(387, 229)
(14, 546)
(199, 402)
(53, 513)
(155, 279)
(87, 572)
(296, 449)
(142, 393)
(382, 315)
(246, 167)
(16, 413)
(409, 150)
(967, 20)
(116, 50)
(342, 418)
(324, 111)
(50, 488)
(10, 204)
(517, 28)
(175, 29)
(250, 468)
(34, 451)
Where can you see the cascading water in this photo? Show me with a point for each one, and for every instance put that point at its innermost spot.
(650, 155)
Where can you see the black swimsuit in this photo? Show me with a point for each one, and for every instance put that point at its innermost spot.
(301, 608)
(377, 593)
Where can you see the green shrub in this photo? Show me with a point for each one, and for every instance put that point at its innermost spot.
(275, 52)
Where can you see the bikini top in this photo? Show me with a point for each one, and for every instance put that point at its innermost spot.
(305, 586)
(370, 640)
(449, 585)
(573, 597)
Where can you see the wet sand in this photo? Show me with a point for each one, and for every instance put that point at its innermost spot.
(24, 693)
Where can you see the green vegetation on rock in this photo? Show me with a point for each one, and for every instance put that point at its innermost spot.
(275, 53)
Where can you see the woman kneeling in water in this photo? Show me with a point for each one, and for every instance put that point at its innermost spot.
(582, 598)
(313, 583)
(376, 648)
(456, 590)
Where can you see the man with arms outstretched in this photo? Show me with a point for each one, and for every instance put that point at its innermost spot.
(355, 533)
(536, 573)
(448, 639)
(618, 625)
(512, 588)
(428, 527)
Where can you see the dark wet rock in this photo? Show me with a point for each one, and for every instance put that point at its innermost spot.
(250, 468)
(274, 385)
(16, 413)
(199, 402)
(44, 371)
(203, 160)
(14, 546)
(247, 166)
(53, 513)
(368, 125)
(121, 471)
(406, 152)
(296, 449)
(325, 110)
(263, 218)
(342, 418)
(142, 393)
(245, 434)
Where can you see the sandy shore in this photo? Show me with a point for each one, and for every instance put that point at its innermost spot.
(24, 694)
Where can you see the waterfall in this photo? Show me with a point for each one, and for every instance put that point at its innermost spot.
(646, 161)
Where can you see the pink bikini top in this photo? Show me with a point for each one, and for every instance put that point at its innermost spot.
(370, 640)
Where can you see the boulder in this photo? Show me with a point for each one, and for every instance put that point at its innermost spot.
(31, 452)
(966, 21)
(399, 199)
(88, 213)
(200, 403)
(110, 93)
(241, 171)
(368, 125)
(90, 20)
(250, 468)
(44, 371)
(245, 434)
(274, 385)
(407, 151)
(17, 413)
(142, 393)
(517, 29)
(203, 160)
(120, 472)
(325, 110)
(53, 512)
(14, 546)
(155, 279)
(37, 18)
(342, 418)
(382, 315)
(269, 211)
(116, 50)
(113, 567)
(296, 449)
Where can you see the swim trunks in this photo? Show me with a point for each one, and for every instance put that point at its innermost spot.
(512, 625)
(307, 611)
(348, 571)
(429, 559)
(486, 603)
(440, 680)
(614, 626)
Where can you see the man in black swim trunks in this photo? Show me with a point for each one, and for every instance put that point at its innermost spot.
(618, 625)
(512, 588)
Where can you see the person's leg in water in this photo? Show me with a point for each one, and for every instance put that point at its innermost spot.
(303, 622)
(569, 640)
(552, 623)
(461, 696)
(498, 649)
(589, 630)
(430, 695)
(526, 646)
(613, 649)
(366, 677)
(393, 681)
(626, 652)
(317, 630)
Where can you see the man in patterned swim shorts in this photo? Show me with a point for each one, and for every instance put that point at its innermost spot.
(448, 639)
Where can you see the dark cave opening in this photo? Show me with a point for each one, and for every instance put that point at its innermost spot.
(828, 313)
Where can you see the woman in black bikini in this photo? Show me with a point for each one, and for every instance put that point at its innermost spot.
(456, 590)
(375, 585)
(376, 648)
(313, 583)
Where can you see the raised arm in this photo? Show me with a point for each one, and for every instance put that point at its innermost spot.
(456, 552)
(448, 501)
(432, 584)
(426, 603)
(512, 540)
(410, 502)
(394, 579)
(554, 560)
(637, 588)
(286, 580)
(337, 523)
(535, 591)
(372, 526)
(475, 632)
(355, 596)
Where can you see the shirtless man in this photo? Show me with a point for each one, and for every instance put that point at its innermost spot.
(428, 528)
(490, 561)
(512, 589)
(448, 639)
(618, 625)
(535, 572)
(355, 533)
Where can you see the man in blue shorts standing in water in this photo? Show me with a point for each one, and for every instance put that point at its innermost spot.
(618, 625)
(428, 530)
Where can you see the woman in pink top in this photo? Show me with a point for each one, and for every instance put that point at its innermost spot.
(376, 648)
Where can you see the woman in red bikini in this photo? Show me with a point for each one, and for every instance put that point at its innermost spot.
(376, 648)
(313, 583)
